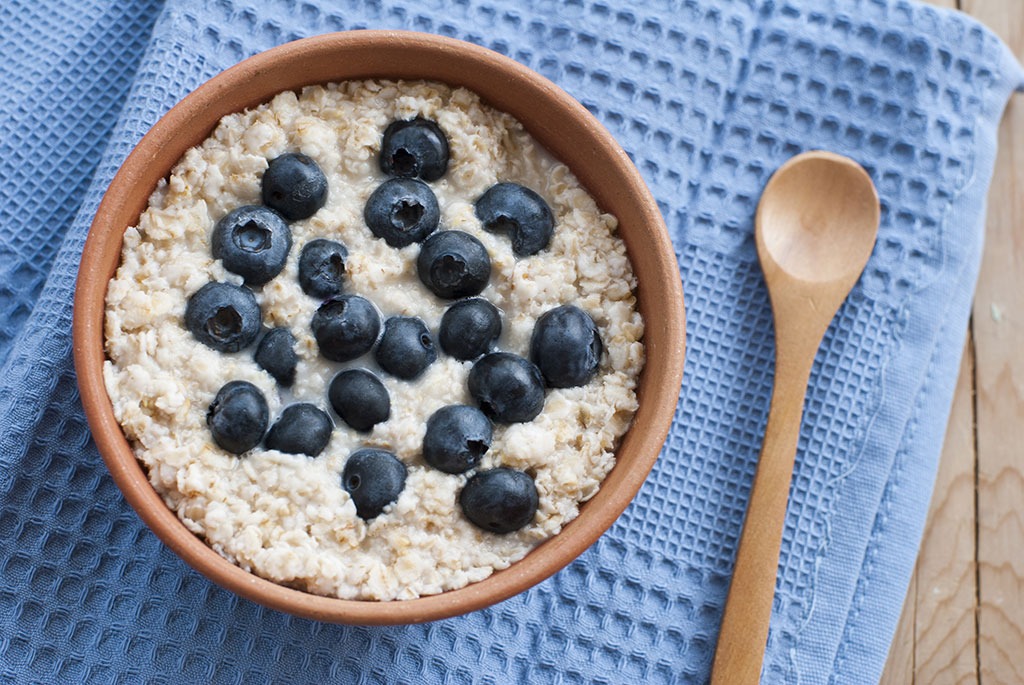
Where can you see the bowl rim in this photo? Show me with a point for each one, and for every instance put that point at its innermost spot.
(502, 83)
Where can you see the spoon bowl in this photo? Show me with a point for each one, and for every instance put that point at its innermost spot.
(815, 217)
(816, 225)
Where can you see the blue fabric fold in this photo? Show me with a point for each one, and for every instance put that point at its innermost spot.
(708, 98)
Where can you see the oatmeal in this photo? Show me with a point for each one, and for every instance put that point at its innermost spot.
(275, 501)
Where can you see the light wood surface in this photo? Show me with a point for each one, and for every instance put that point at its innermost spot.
(963, 619)
(815, 229)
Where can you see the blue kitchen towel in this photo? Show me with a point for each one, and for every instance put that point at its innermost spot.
(708, 97)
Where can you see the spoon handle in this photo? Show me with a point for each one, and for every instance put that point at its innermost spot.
(748, 606)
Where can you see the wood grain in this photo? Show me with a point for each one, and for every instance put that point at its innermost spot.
(963, 621)
(999, 332)
(936, 638)
(945, 647)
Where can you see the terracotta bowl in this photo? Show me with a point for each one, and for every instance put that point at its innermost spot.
(555, 119)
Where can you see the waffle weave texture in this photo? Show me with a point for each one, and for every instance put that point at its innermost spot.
(708, 97)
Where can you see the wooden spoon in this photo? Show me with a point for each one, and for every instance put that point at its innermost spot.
(815, 228)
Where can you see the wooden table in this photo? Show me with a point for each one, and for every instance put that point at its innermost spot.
(963, 619)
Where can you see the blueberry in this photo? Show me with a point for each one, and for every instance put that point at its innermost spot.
(346, 327)
(294, 185)
(417, 147)
(520, 212)
(566, 347)
(453, 264)
(508, 388)
(406, 348)
(300, 429)
(276, 355)
(456, 439)
(360, 399)
(500, 500)
(252, 242)
(469, 328)
(238, 417)
(373, 478)
(322, 268)
(402, 211)
(223, 316)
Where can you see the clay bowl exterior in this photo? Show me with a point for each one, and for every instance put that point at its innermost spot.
(561, 125)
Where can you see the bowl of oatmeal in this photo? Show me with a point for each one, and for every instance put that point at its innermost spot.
(378, 327)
